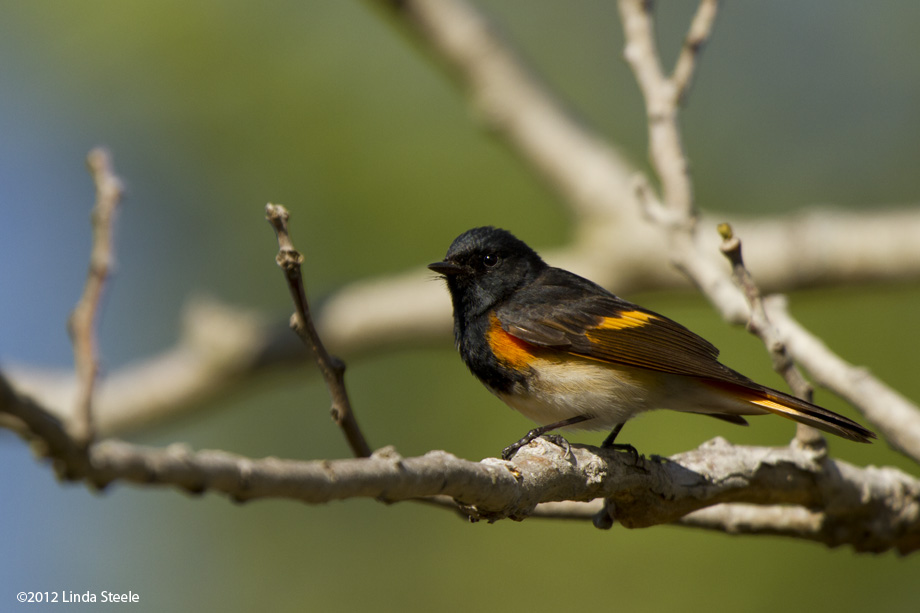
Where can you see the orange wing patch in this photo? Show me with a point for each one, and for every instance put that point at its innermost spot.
(626, 319)
(508, 349)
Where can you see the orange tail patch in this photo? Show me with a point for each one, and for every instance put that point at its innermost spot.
(801, 411)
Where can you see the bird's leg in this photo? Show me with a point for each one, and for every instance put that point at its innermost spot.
(609, 444)
(509, 451)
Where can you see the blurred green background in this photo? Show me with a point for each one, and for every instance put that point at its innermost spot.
(213, 108)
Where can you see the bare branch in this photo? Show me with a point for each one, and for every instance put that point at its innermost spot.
(739, 518)
(759, 325)
(780, 520)
(83, 318)
(870, 509)
(579, 511)
(333, 369)
(699, 32)
(895, 417)
(661, 95)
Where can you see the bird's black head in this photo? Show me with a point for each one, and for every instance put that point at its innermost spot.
(484, 266)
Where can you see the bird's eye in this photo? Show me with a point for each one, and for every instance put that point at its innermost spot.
(490, 260)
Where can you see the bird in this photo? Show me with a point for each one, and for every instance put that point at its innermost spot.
(568, 354)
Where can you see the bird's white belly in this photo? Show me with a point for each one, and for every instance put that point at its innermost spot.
(610, 394)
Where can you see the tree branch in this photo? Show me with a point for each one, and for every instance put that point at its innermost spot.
(895, 417)
(662, 95)
(870, 509)
(83, 318)
(333, 369)
(699, 32)
(759, 324)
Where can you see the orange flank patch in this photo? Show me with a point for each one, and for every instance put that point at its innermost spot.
(626, 319)
(508, 349)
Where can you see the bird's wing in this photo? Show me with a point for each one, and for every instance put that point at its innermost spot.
(566, 312)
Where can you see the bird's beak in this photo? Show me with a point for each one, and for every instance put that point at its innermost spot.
(446, 268)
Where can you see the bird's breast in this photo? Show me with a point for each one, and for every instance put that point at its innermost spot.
(565, 386)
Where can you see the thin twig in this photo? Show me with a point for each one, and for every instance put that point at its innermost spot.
(82, 323)
(697, 35)
(759, 325)
(332, 368)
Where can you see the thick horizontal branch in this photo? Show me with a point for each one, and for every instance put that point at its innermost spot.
(876, 508)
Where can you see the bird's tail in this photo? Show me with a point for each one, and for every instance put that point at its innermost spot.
(799, 410)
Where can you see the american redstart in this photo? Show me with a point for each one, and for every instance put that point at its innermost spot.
(567, 353)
